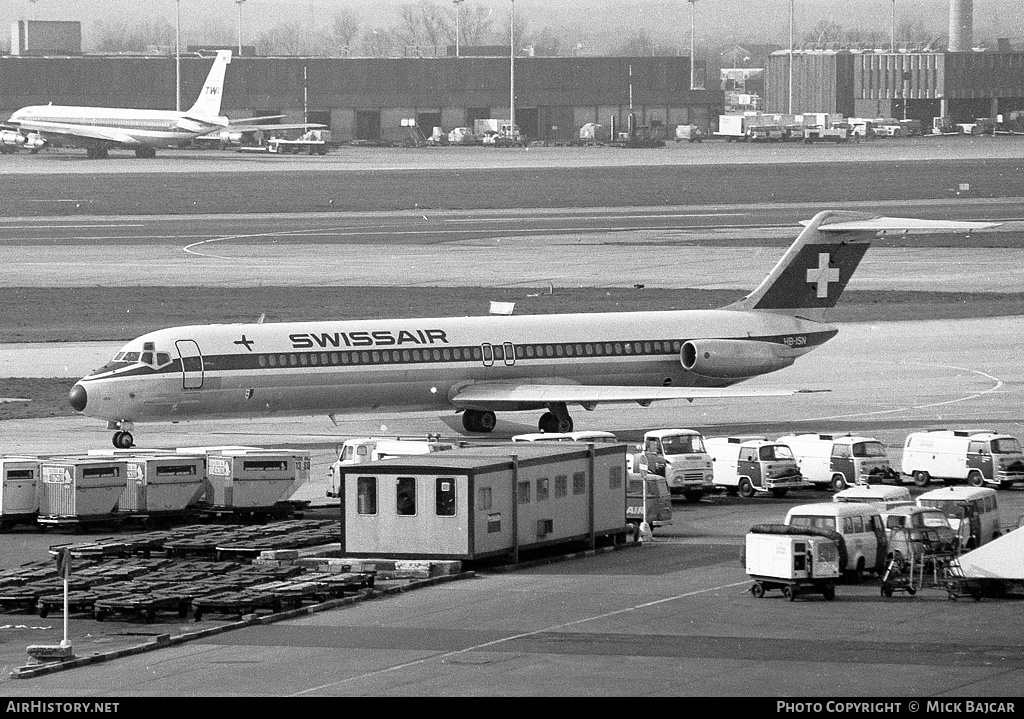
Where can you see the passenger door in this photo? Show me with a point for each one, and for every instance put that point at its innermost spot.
(191, 364)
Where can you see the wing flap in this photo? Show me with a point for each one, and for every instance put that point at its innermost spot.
(499, 395)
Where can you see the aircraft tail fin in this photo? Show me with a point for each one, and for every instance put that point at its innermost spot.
(208, 103)
(814, 271)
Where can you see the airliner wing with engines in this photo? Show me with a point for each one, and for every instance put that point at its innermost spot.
(482, 365)
(98, 129)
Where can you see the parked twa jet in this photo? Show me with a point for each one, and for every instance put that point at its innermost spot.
(480, 365)
(100, 128)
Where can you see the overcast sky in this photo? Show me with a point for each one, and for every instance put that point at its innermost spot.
(594, 23)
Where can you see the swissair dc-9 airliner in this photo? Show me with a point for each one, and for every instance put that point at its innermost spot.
(482, 365)
(100, 128)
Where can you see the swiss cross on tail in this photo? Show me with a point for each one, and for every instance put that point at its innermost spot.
(823, 274)
(815, 270)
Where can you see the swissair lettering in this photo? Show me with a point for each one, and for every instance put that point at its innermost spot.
(378, 338)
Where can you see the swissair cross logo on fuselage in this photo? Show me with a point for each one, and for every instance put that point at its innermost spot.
(822, 275)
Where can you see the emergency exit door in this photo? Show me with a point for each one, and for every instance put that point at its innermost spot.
(191, 364)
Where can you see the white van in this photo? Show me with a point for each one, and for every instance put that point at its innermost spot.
(753, 465)
(979, 456)
(840, 461)
(973, 512)
(369, 449)
(859, 525)
(884, 498)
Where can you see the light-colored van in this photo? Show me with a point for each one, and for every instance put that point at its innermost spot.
(883, 497)
(978, 456)
(753, 465)
(840, 460)
(973, 512)
(860, 527)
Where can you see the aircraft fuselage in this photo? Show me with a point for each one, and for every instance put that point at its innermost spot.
(304, 368)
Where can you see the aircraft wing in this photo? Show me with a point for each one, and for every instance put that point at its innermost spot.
(902, 224)
(76, 132)
(294, 126)
(511, 396)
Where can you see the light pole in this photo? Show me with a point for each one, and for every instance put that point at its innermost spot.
(693, 12)
(177, 55)
(512, 70)
(457, 3)
(239, 3)
(892, 43)
(791, 56)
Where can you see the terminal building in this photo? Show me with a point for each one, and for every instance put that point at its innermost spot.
(372, 99)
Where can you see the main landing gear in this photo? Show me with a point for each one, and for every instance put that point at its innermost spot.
(556, 419)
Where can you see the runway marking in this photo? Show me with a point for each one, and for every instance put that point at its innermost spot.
(62, 227)
(557, 627)
(998, 385)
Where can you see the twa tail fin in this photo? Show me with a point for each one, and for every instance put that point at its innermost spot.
(208, 104)
(814, 271)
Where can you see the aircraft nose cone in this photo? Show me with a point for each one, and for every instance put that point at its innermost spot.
(78, 398)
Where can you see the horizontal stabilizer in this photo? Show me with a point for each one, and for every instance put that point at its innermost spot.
(902, 224)
(506, 395)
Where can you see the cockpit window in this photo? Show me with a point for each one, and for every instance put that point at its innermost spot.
(162, 358)
(147, 357)
(130, 357)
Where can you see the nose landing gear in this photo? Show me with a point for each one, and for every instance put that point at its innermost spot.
(123, 440)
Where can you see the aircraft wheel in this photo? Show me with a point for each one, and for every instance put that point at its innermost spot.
(564, 425)
(548, 423)
(486, 421)
(123, 440)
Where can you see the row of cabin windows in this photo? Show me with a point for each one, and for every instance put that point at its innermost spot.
(525, 493)
(459, 354)
(406, 500)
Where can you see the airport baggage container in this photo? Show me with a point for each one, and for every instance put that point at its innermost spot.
(162, 483)
(81, 487)
(302, 461)
(240, 480)
(19, 489)
(476, 502)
